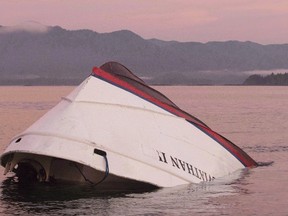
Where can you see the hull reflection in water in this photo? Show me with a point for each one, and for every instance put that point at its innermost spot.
(114, 131)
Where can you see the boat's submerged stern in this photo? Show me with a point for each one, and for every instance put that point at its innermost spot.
(28, 169)
(30, 160)
(47, 158)
(31, 168)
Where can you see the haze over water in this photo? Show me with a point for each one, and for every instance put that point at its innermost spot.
(254, 118)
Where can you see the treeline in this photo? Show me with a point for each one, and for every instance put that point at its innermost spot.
(40, 82)
(272, 79)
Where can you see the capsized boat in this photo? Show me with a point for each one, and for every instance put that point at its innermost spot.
(114, 131)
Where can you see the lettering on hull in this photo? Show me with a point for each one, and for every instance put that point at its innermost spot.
(184, 166)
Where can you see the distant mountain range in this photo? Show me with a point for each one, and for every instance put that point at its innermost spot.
(35, 54)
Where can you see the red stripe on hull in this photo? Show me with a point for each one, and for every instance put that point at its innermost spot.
(244, 158)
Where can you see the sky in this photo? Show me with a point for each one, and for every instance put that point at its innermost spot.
(260, 21)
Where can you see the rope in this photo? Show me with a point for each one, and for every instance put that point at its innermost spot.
(104, 177)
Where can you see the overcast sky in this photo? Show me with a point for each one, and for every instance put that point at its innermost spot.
(262, 21)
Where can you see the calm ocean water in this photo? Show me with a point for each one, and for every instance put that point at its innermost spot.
(254, 118)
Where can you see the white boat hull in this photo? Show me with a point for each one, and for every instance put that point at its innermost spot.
(142, 141)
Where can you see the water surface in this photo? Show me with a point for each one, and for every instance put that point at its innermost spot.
(254, 118)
